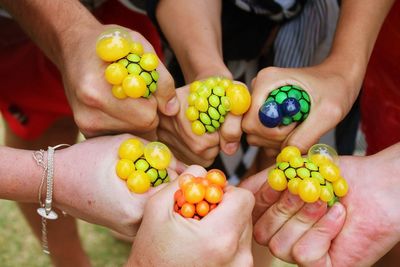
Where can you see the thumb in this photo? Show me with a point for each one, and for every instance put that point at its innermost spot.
(230, 134)
(168, 103)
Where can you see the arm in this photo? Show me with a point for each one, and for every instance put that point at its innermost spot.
(53, 25)
(15, 183)
(67, 33)
(333, 85)
(85, 183)
(194, 33)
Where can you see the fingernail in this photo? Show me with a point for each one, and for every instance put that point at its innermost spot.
(172, 105)
(293, 199)
(232, 147)
(334, 212)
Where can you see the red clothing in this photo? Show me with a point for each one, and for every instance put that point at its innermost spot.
(32, 95)
(380, 101)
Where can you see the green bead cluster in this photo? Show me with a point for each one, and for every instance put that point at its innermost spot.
(132, 64)
(156, 176)
(208, 104)
(282, 93)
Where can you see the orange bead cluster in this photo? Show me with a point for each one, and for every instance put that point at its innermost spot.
(312, 178)
(198, 196)
(131, 71)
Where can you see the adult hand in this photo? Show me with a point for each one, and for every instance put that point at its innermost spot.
(222, 238)
(96, 110)
(293, 233)
(86, 185)
(177, 132)
(332, 96)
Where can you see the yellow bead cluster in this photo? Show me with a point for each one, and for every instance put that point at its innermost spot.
(131, 71)
(142, 165)
(312, 178)
(211, 99)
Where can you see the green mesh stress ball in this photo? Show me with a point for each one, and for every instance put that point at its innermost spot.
(143, 166)
(211, 99)
(284, 105)
(314, 177)
(131, 71)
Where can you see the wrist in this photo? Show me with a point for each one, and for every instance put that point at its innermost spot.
(351, 73)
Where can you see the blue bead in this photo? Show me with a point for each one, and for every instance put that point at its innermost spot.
(270, 114)
(290, 106)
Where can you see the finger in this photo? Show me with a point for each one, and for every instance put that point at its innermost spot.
(312, 249)
(168, 103)
(165, 94)
(230, 134)
(235, 209)
(244, 255)
(275, 217)
(264, 142)
(282, 243)
(311, 130)
(254, 182)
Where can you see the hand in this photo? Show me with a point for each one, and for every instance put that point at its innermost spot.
(222, 238)
(371, 226)
(332, 96)
(177, 133)
(86, 185)
(96, 110)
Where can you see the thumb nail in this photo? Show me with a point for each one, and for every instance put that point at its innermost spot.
(172, 106)
(335, 212)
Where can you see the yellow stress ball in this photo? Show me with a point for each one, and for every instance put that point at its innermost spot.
(138, 182)
(293, 185)
(118, 92)
(158, 155)
(194, 86)
(149, 61)
(137, 48)
(288, 152)
(277, 180)
(115, 73)
(124, 168)
(340, 187)
(131, 149)
(113, 44)
(330, 171)
(309, 190)
(326, 194)
(240, 99)
(198, 128)
(134, 86)
(192, 113)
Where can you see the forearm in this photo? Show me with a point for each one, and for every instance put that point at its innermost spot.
(20, 176)
(51, 23)
(193, 29)
(358, 27)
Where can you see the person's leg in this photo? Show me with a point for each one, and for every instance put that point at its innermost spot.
(64, 244)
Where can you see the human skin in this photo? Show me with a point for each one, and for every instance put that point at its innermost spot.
(222, 238)
(198, 49)
(67, 33)
(85, 183)
(333, 85)
(356, 232)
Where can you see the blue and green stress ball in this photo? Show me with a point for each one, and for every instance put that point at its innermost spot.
(284, 105)
(143, 166)
(211, 99)
(131, 71)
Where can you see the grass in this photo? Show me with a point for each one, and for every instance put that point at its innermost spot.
(18, 246)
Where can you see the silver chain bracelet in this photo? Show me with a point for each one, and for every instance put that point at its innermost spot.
(45, 210)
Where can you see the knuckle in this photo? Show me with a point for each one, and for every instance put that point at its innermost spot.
(149, 120)
(260, 235)
(86, 124)
(269, 71)
(89, 96)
